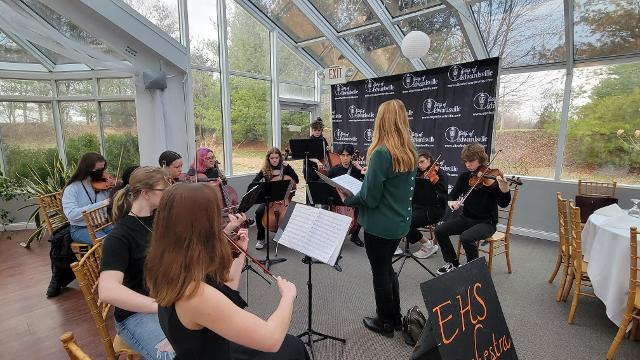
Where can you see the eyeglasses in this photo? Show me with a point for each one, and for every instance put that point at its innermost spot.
(158, 189)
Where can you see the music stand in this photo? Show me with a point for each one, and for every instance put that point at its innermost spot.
(309, 333)
(267, 192)
(407, 254)
(305, 149)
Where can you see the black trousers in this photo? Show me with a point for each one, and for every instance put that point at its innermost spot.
(259, 226)
(292, 348)
(470, 231)
(385, 280)
(421, 217)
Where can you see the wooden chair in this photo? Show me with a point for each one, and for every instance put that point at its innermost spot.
(430, 230)
(564, 248)
(54, 218)
(632, 310)
(596, 188)
(499, 241)
(578, 272)
(87, 271)
(72, 349)
(96, 220)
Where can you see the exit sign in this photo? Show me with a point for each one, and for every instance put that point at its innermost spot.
(335, 75)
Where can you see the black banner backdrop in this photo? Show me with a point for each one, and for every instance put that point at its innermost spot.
(448, 107)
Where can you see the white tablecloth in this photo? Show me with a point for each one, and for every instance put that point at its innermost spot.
(605, 245)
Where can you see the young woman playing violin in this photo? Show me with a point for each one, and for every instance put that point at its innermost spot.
(429, 203)
(172, 162)
(347, 166)
(80, 195)
(480, 211)
(273, 168)
(199, 307)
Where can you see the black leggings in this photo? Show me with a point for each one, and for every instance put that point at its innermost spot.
(292, 348)
(470, 231)
(259, 226)
(385, 280)
(421, 217)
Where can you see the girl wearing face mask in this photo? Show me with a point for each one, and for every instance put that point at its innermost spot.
(79, 196)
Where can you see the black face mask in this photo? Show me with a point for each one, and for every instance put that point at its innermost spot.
(96, 175)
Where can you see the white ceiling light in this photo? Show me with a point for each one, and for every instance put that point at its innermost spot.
(415, 45)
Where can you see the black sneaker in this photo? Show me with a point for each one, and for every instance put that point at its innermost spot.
(446, 268)
(356, 240)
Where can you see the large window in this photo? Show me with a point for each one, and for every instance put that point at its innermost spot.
(604, 100)
(248, 42)
(250, 122)
(119, 126)
(80, 129)
(207, 111)
(163, 13)
(203, 32)
(527, 122)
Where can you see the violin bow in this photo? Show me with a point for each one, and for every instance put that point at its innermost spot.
(434, 164)
(246, 254)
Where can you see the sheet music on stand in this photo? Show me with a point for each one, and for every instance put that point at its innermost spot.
(346, 183)
(314, 232)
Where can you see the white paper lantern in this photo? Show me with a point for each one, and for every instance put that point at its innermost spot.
(415, 45)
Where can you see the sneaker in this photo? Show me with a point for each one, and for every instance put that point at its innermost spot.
(356, 240)
(259, 244)
(446, 268)
(426, 250)
(398, 251)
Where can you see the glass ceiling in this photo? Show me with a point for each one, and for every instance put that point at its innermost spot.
(352, 33)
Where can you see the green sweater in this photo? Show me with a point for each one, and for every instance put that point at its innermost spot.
(384, 202)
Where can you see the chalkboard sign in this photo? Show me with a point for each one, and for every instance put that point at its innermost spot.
(465, 315)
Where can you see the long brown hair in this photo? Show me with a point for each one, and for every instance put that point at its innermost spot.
(391, 129)
(266, 166)
(187, 245)
(85, 166)
(142, 178)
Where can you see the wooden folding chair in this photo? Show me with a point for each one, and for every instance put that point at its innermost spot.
(632, 310)
(499, 241)
(578, 271)
(564, 247)
(87, 272)
(96, 220)
(72, 349)
(54, 218)
(596, 188)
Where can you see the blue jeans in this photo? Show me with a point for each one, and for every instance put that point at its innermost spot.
(80, 234)
(142, 333)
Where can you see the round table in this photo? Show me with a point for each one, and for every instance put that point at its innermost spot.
(605, 246)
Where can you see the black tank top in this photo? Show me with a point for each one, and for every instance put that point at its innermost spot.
(197, 344)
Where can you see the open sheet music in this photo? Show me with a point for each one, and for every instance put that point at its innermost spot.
(346, 183)
(315, 232)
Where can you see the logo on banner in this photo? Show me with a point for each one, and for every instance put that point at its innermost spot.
(336, 117)
(431, 106)
(357, 113)
(458, 73)
(368, 135)
(483, 101)
(343, 136)
(419, 138)
(449, 169)
(411, 81)
(341, 90)
(455, 135)
(377, 87)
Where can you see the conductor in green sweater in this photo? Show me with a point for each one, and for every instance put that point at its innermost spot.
(384, 208)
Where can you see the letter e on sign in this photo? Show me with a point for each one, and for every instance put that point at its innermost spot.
(335, 75)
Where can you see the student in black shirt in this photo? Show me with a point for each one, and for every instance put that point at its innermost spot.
(309, 169)
(192, 275)
(347, 166)
(479, 211)
(121, 280)
(274, 168)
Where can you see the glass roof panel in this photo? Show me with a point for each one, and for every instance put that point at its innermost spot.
(448, 45)
(327, 55)
(376, 47)
(403, 7)
(68, 29)
(403, 66)
(163, 13)
(289, 18)
(606, 27)
(345, 14)
(522, 32)
(11, 52)
(54, 56)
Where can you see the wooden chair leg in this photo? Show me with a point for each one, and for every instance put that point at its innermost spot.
(634, 328)
(491, 244)
(568, 286)
(506, 252)
(619, 336)
(576, 295)
(563, 282)
(556, 268)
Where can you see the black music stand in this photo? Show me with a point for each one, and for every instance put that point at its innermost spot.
(267, 192)
(309, 333)
(305, 149)
(406, 253)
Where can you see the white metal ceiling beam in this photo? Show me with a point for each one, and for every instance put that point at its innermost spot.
(33, 51)
(332, 36)
(284, 37)
(385, 19)
(469, 28)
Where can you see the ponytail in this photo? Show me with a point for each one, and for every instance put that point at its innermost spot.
(122, 202)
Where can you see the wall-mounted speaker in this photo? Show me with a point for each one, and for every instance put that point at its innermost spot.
(154, 79)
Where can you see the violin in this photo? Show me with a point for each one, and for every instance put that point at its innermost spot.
(432, 172)
(107, 182)
(486, 176)
(237, 250)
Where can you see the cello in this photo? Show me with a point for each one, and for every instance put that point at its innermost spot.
(277, 208)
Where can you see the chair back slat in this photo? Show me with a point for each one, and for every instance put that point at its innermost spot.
(96, 220)
(51, 210)
(634, 281)
(87, 272)
(596, 188)
(563, 222)
(576, 238)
